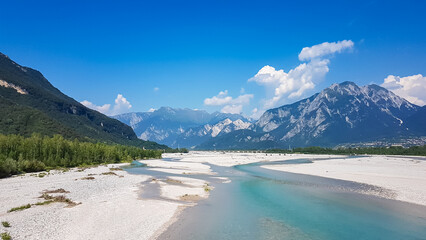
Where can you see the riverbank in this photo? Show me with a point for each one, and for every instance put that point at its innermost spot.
(98, 203)
(405, 176)
(259, 203)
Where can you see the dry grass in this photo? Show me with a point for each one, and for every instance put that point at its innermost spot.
(59, 190)
(115, 169)
(109, 173)
(169, 180)
(59, 198)
(87, 178)
(190, 198)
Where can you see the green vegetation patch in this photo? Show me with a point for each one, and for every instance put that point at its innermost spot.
(6, 236)
(5, 224)
(207, 188)
(20, 208)
(44, 203)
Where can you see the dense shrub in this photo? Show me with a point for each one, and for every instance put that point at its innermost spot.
(37, 153)
(8, 166)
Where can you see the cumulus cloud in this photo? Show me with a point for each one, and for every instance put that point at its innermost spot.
(231, 105)
(324, 49)
(103, 109)
(412, 88)
(222, 99)
(235, 109)
(121, 105)
(294, 83)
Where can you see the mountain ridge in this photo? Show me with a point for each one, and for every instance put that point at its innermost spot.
(29, 103)
(338, 114)
(181, 127)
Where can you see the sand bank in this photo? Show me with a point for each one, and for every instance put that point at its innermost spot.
(405, 176)
(109, 206)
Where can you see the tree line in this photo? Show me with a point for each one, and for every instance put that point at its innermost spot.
(394, 150)
(20, 154)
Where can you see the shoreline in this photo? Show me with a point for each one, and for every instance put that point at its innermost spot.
(104, 198)
(169, 223)
(405, 176)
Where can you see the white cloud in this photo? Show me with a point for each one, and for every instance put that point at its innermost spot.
(231, 105)
(223, 99)
(121, 106)
(412, 88)
(156, 89)
(294, 84)
(324, 49)
(235, 109)
(151, 110)
(103, 109)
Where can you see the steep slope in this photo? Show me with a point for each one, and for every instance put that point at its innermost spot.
(182, 127)
(342, 113)
(29, 103)
(416, 123)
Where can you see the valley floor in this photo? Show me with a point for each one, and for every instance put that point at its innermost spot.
(115, 204)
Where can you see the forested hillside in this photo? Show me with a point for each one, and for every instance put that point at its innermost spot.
(29, 103)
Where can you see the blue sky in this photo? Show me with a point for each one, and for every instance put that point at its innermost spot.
(178, 54)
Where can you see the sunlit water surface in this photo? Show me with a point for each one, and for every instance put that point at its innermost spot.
(267, 204)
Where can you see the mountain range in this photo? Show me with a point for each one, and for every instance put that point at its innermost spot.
(342, 113)
(182, 127)
(29, 103)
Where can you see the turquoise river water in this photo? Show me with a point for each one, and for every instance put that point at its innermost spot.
(266, 204)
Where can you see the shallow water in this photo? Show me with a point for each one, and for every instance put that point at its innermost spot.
(267, 204)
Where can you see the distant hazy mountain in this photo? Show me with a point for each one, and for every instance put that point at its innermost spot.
(29, 103)
(182, 127)
(342, 113)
